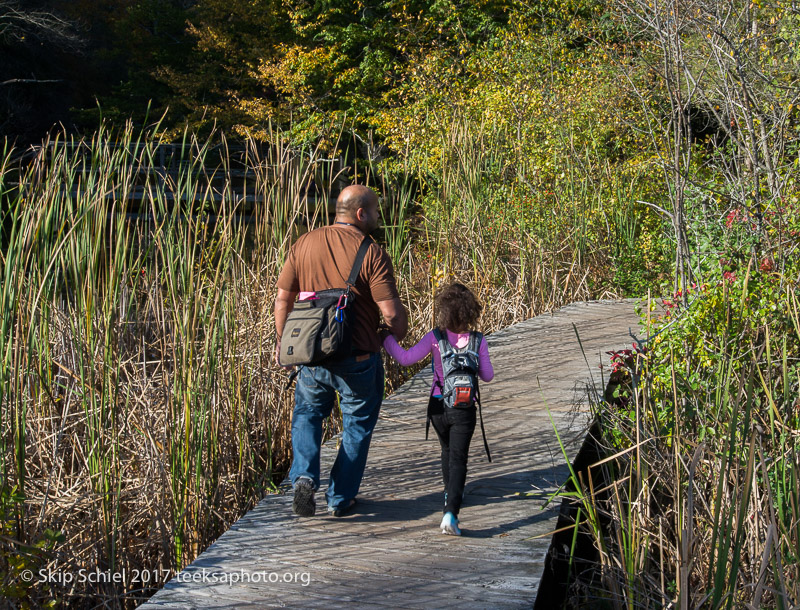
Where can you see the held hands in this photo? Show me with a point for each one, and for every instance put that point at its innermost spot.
(383, 332)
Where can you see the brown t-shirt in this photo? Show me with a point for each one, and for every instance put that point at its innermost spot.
(323, 258)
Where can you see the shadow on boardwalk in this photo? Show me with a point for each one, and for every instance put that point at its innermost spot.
(389, 552)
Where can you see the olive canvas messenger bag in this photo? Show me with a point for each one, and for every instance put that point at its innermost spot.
(320, 329)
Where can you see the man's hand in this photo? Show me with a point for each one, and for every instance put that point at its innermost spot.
(395, 317)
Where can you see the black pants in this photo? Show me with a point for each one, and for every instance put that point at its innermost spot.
(454, 427)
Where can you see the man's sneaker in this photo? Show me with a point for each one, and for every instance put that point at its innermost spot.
(304, 503)
(450, 525)
(341, 511)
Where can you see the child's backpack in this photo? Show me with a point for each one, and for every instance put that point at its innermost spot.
(459, 370)
(460, 376)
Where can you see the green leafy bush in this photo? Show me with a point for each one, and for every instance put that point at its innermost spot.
(702, 422)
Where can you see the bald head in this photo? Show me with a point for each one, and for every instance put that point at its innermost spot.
(354, 197)
(358, 205)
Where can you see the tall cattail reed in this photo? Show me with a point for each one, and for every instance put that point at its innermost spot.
(142, 410)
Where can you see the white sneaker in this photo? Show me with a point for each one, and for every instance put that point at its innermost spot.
(449, 525)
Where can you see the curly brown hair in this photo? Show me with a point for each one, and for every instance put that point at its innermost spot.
(457, 308)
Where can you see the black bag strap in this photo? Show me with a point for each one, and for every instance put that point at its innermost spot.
(292, 376)
(475, 344)
(428, 418)
(362, 252)
(483, 431)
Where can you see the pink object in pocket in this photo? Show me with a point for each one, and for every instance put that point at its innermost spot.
(307, 296)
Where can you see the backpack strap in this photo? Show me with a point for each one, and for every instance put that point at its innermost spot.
(475, 339)
(474, 345)
(428, 417)
(483, 431)
(362, 252)
(445, 349)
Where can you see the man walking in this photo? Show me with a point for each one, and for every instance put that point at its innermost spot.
(320, 260)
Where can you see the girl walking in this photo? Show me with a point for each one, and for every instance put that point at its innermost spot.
(457, 313)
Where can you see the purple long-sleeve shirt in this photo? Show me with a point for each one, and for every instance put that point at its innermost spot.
(429, 345)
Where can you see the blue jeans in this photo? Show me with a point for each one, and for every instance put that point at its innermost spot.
(359, 382)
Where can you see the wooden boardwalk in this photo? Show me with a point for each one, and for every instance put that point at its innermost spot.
(389, 552)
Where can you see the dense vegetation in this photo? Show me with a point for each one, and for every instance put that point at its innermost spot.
(543, 153)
